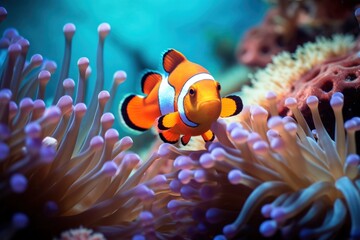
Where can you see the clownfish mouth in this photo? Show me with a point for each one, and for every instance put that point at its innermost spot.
(210, 110)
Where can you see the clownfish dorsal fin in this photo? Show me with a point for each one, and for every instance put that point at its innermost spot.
(171, 59)
(149, 80)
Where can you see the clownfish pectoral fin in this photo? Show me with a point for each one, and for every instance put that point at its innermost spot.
(168, 121)
(132, 112)
(208, 136)
(185, 139)
(169, 137)
(149, 81)
(171, 59)
(230, 106)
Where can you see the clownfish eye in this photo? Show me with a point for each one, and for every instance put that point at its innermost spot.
(218, 87)
(192, 92)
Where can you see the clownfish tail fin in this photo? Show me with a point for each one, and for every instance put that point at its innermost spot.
(171, 59)
(149, 81)
(230, 106)
(131, 111)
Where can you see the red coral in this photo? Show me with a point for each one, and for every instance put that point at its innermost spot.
(291, 24)
(336, 75)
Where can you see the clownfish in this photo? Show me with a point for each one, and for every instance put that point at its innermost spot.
(185, 101)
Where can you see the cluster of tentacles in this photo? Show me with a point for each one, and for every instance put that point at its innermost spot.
(63, 167)
(272, 176)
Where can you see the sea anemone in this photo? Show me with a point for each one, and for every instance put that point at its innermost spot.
(62, 165)
(272, 177)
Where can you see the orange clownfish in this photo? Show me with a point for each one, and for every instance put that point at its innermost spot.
(185, 101)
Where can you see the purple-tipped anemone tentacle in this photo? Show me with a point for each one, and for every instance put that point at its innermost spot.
(83, 65)
(118, 78)
(3, 14)
(14, 51)
(103, 31)
(69, 31)
(103, 98)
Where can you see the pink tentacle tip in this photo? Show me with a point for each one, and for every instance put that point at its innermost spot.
(44, 76)
(235, 176)
(120, 76)
(25, 44)
(336, 102)
(261, 147)
(33, 130)
(69, 30)
(131, 160)
(69, 83)
(200, 175)
(83, 63)
(96, 142)
(291, 102)
(107, 117)
(183, 162)
(111, 135)
(104, 30)
(104, 96)
(4, 151)
(312, 101)
(109, 168)
(218, 153)
(268, 228)
(353, 159)
(185, 176)
(26, 104)
(36, 60)
(270, 95)
(51, 66)
(18, 183)
(80, 109)
(164, 150)
(357, 14)
(20, 220)
(207, 160)
(5, 95)
(126, 142)
(230, 230)
(47, 153)
(14, 49)
(65, 103)
(258, 112)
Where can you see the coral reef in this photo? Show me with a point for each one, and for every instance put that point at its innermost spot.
(292, 23)
(286, 68)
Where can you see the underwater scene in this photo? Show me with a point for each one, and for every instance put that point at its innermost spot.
(179, 119)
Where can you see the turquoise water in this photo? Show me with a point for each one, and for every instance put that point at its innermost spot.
(207, 32)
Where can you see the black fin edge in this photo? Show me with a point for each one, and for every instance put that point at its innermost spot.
(212, 138)
(125, 115)
(160, 124)
(238, 102)
(182, 142)
(165, 140)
